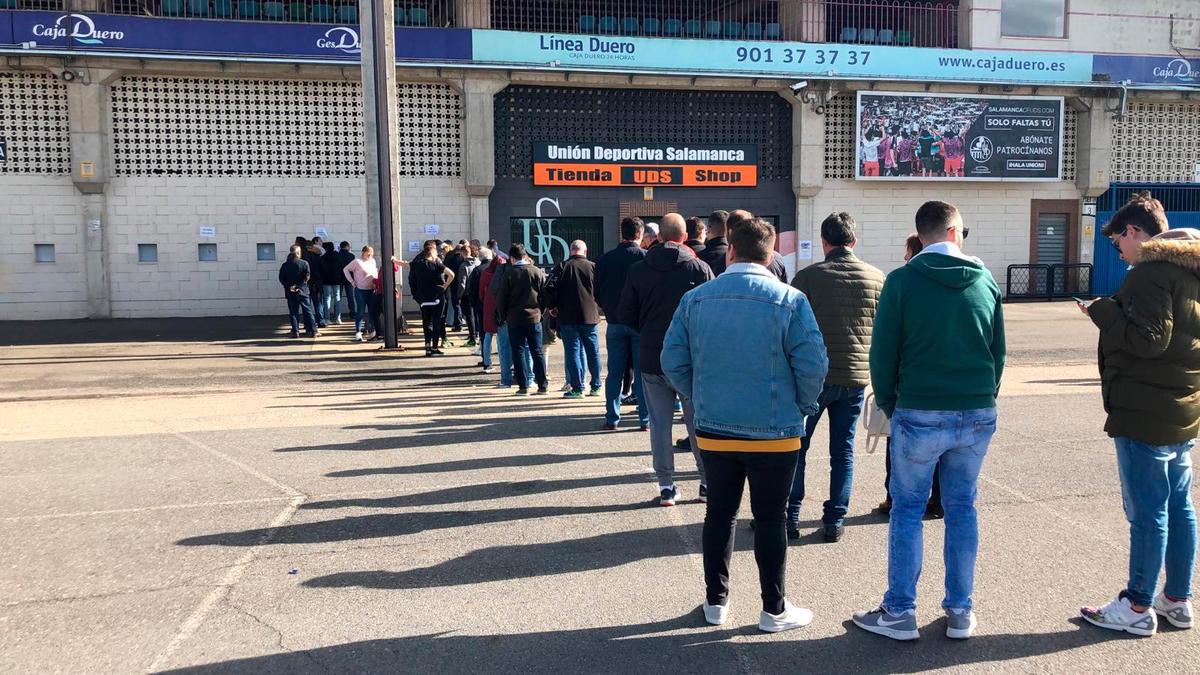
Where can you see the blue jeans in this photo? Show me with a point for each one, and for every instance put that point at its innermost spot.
(622, 344)
(581, 342)
(332, 299)
(507, 368)
(362, 303)
(844, 405)
(1156, 484)
(485, 350)
(351, 305)
(528, 335)
(301, 305)
(920, 439)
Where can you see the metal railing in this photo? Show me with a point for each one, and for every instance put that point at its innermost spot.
(881, 22)
(1048, 282)
(885, 22)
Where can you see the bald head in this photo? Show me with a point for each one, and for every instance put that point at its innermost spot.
(737, 218)
(672, 227)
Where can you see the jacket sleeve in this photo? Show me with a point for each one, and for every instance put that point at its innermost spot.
(305, 272)
(998, 346)
(806, 355)
(800, 283)
(1144, 327)
(676, 356)
(501, 293)
(885, 348)
(348, 272)
(282, 279)
(631, 307)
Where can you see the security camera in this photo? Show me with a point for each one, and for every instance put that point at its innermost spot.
(69, 76)
(799, 87)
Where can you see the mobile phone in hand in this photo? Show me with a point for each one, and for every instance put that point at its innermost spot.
(1084, 303)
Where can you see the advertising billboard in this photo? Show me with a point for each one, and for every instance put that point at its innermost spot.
(955, 137)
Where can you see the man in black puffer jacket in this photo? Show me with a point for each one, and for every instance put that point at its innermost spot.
(651, 295)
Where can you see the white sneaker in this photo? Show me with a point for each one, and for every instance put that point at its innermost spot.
(1119, 615)
(566, 387)
(338, 321)
(358, 337)
(792, 617)
(716, 614)
(1178, 614)
(489, 370)
(476, 352)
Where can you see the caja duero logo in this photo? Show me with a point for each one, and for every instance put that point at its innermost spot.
(80, 28)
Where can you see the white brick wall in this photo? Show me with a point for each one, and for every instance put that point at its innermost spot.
(169, 212)
(997, 213)
(41, 209)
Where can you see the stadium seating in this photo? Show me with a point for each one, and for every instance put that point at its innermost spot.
(248, 9)
(198, 8)
(322, 12)
(418, 16)
(733, 29)
(867, 35)
(672, 27)
(712, 29)
(272, 10)
(297, 11)
(754, 31)
(774, 31)
(347, 14)
(172, 8)
(223, 9)
(887, 36)
(903, 38)
(849, 34)
(608, 24)
(691, 28)
(399, 16)
(629, 25)
(651, 26)
(587, 23)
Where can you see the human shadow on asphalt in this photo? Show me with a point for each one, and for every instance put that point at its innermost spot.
(480, 431)
(683, 644)
(485, 491)
(384, 525)
(478, 463)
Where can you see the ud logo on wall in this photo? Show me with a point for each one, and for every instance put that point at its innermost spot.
(907, 136)
(3, 150)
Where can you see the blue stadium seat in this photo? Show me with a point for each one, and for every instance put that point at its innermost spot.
(399, 17)
(587, 23)
(322, 12)
(347, 14)
(8, 4)
(297, 11)
(867, 35)
(172, 8)
(691, 28)
(651, 26)
(198, 8)
(272, 10)
(754, 31)
(849, 34)
(608, 24)
(629, 25)
(223, 9)
(733, 29)
(712, 29)
(904, 38)
(248, 9)
(672, 27)
(886, 36)
(774, 31)
(418, 16)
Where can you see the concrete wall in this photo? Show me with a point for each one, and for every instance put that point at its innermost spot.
(997, 213)
(1142, 27)
(41, 209)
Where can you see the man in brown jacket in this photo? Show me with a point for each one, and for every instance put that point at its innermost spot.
(1150, 383)
(843, 291)
(519, 300)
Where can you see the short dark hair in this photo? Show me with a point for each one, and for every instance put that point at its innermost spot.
(430, 245)
(1141, 211)
(492, 244)
(716, 222)
(737, 218)
(301, 242)
(934, 217)
(632, 228)
(328, 246)
(838, 229)
(516, 251)
(913, 245)
(753, 240)
(693, 226)
(345, 245)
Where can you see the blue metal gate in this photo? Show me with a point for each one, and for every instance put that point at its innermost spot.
(1182, 201)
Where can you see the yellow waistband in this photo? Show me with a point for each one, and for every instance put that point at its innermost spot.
(732, 445)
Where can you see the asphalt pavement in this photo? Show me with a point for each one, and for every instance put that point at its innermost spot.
(208, 495)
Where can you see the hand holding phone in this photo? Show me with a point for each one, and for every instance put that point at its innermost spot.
(1084, 304)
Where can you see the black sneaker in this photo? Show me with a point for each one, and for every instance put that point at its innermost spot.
(293, 335)
(793, 530)
(704, 493)
(438, 352)
(684, 443)
(667, 496)
(885, 506)
(609, 426)
(542, 391)
(522, 391)
(934, 512)
(629, 400)
(833, 533)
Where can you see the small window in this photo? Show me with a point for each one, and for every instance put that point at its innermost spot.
(147, 253)
(208, 252)
(1033, 18)
(266, 252)
(43, 253)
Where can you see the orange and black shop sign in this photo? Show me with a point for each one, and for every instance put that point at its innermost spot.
(631, 165)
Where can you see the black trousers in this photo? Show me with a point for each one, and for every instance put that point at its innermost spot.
(770, 475)
(470, 316)
(433, 324)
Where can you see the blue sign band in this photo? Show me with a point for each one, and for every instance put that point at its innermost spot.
(1162, 70)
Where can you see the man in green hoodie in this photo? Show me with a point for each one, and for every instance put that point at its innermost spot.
(937, 353)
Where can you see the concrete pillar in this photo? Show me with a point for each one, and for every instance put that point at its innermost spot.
(479, 146)
(386, 42)
(1093, 146)
(808, 163)
(473, 13)
(87, 111)
(802, 20)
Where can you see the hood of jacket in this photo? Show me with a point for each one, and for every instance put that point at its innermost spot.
(666, 256)
(949, 271)
(1179, 247)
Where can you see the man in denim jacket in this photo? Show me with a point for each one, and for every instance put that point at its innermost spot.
(746, 351)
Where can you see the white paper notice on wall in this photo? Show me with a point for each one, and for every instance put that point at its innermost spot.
(208, 232)
(414, 246)
(94, 225)
(804, 251)
(1197, 178)
(321, 232)
(432, 229)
